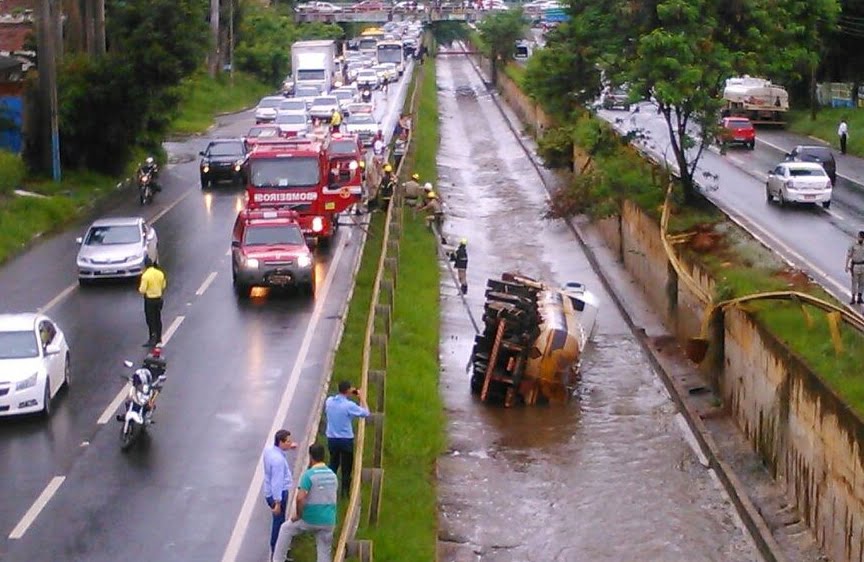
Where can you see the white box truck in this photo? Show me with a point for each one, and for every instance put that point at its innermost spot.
(313, 63)
(758, 99)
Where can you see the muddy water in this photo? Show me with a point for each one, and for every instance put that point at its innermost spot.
(608, 477)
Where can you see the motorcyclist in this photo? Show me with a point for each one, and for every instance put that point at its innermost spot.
(366, 95)
(149, 166)
(434, 214)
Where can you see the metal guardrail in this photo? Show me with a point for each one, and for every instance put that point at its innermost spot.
(374, 370)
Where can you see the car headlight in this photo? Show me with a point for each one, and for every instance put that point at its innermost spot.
(251, 263)
(353, 165)
(135, 258)
(29, 382)
(317, 224)
(304, 261)
(205, 168)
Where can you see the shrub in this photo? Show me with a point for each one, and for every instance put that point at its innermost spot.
(11, 171)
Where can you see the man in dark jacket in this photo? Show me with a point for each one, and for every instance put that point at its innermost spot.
(460, 262)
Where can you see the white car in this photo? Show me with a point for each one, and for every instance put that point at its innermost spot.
(34, 363)
(363, 125)
(266, 110)
(799, 182)
(115, 248)
(390, 70)
(383, 73)
(368, 78)
(306, 94)
(346, 96)
(292, 124)
(319, 7)
(291, 105)
(323, 107)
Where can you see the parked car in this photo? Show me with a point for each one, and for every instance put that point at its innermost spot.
(34, 363)
(222, 160)
(815, 153)
(616, 97)
(736, 130)
(799, 182)
(115, 248)
(265, 112)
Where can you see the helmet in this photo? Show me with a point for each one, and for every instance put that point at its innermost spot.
(463, 242)
(427, 186)
(149, 161)
(415, 176)
(362, 164)
(432, 195)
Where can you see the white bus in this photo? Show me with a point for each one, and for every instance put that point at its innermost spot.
(392, 51)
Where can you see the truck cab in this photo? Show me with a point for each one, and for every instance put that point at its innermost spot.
(268, 249)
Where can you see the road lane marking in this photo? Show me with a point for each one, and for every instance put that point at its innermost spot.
(835, 215)
(206, 283)
(37, 507)
(173, 204)
(108, 413)
(817, 139)
(254, 490)
(56, 300)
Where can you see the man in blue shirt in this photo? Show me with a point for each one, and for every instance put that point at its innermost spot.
(277, 480)
(316, 509)
(340, 412)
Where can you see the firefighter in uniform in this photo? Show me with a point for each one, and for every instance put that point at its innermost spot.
(434, 213)
(460, 262)
(388, 184)
(413, 191)
(855, 267)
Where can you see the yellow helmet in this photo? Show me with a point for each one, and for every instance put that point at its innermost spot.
(388, 168)
(415, 177)
(362, 164)
(432, 195)
(464, 242)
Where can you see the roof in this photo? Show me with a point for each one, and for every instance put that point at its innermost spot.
(18, 322)
(803, 165)
(117, 221)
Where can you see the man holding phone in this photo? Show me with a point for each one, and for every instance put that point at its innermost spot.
(340, 412)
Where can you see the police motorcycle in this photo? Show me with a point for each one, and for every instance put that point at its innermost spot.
(145, 385)
(366, 95)
(147, 174)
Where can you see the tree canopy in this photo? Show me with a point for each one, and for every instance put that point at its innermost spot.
(499, 33)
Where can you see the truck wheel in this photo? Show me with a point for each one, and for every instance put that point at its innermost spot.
(240, 289)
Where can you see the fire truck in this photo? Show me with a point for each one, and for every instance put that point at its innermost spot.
(297, 174)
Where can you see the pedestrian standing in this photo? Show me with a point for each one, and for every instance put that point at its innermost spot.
(460, 262)
(277, 480)
(855, 267)
(316, 509)
(843, 133)
(152, 288)
(340, 412)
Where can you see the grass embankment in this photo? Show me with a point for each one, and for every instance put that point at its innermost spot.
(825, 126)
(203, 97)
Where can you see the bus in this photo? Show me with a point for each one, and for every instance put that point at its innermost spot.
(368, 40)
(392, 51)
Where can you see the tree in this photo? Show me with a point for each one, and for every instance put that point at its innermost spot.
(499, 32)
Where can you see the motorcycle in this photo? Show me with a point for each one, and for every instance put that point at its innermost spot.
(145, 188)
(366, 96)
(146, 384)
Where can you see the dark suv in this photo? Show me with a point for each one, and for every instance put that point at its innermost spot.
(223, 160)
(815, 153)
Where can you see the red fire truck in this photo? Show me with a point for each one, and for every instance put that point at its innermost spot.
(297, 174)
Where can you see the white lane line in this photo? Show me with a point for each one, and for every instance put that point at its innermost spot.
(817, 139)
(108, 413)
(37, 507)
(206, 283)
(56, 300)
(173, 204)
(835, 215)
(254, 491)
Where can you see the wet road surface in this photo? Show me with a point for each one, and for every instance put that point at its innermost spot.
(231, 365)
(608, 477)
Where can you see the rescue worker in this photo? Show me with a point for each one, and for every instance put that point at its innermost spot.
(460, 262)
(378, 145)
(434, 214)
(335, 121)
(387, 185)
(855, 267)
(152, 287)
(412, 188)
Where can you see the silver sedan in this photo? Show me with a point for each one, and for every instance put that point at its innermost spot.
(116, 248)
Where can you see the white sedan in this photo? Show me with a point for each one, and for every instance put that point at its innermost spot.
(116, 248)
(319, 7)
(798, 182)
(34, 363)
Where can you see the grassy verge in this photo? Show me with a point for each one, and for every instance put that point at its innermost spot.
(825, 126)
(203, 97)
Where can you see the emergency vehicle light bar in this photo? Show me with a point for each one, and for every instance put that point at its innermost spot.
(278, 212)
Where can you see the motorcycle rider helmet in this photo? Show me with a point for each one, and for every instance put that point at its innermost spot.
(150, 161)
(463, 242)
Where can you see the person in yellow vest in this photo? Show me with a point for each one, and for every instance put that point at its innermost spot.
(335, 121)
(152, 287)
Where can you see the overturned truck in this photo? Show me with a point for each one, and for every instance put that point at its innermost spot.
(533, 339)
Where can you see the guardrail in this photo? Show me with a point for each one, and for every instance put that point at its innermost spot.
(373, 373)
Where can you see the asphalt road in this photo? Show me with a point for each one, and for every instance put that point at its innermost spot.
(812, 238)
(235, 370)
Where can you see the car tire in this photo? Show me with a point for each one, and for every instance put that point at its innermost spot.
(205, 183)
(46, 404)
(826, 204)
(67, 373)
(240, 289)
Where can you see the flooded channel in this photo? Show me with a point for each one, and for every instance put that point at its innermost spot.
(606, 478)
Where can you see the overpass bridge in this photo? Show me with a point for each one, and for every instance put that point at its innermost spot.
(352, 14)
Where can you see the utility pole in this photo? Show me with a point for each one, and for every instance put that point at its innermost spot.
(231, 40)
(214, 38)
(47, 67)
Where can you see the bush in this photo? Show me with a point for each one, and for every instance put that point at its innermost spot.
(11, 172)
(556, 147)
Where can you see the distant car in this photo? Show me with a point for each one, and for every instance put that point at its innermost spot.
(265, 112)
(292, 105)
(815, 153)
(736, 130)
(318, 7)
(799, 182)
(34, 363)
(323, 107)
(616, 97)
(268, 249)
(346, 95)
(357, 108)
(292, 124)
(371, 6)
(260, 132)
(383, 72)
(222, 160)
(391, 71)
(115, 248)
(363, 125)
(368, 78)
(306, 94)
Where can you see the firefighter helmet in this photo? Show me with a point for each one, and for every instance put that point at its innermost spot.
(388, 168)
(463, 242)
(415, 176)
(427, 186)
(432, 195)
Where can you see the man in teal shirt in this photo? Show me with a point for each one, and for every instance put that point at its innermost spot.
(316, 509)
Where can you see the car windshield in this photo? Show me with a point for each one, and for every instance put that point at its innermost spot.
(343, 147)
(390, 53)
(344, 95)
(816, 153)
(368, 44)
(329, 100)
(269, 102)
(738, 124)
(18, 345)
(262, 132)
(284, 173)
(226, 149)
(804, 172)
(291, 119)
(361, 119)
(270, 235)
(310, 74)
(109, 235)
(292, 105)
(306, 92)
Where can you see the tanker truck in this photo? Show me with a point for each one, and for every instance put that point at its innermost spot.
(757, 99)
